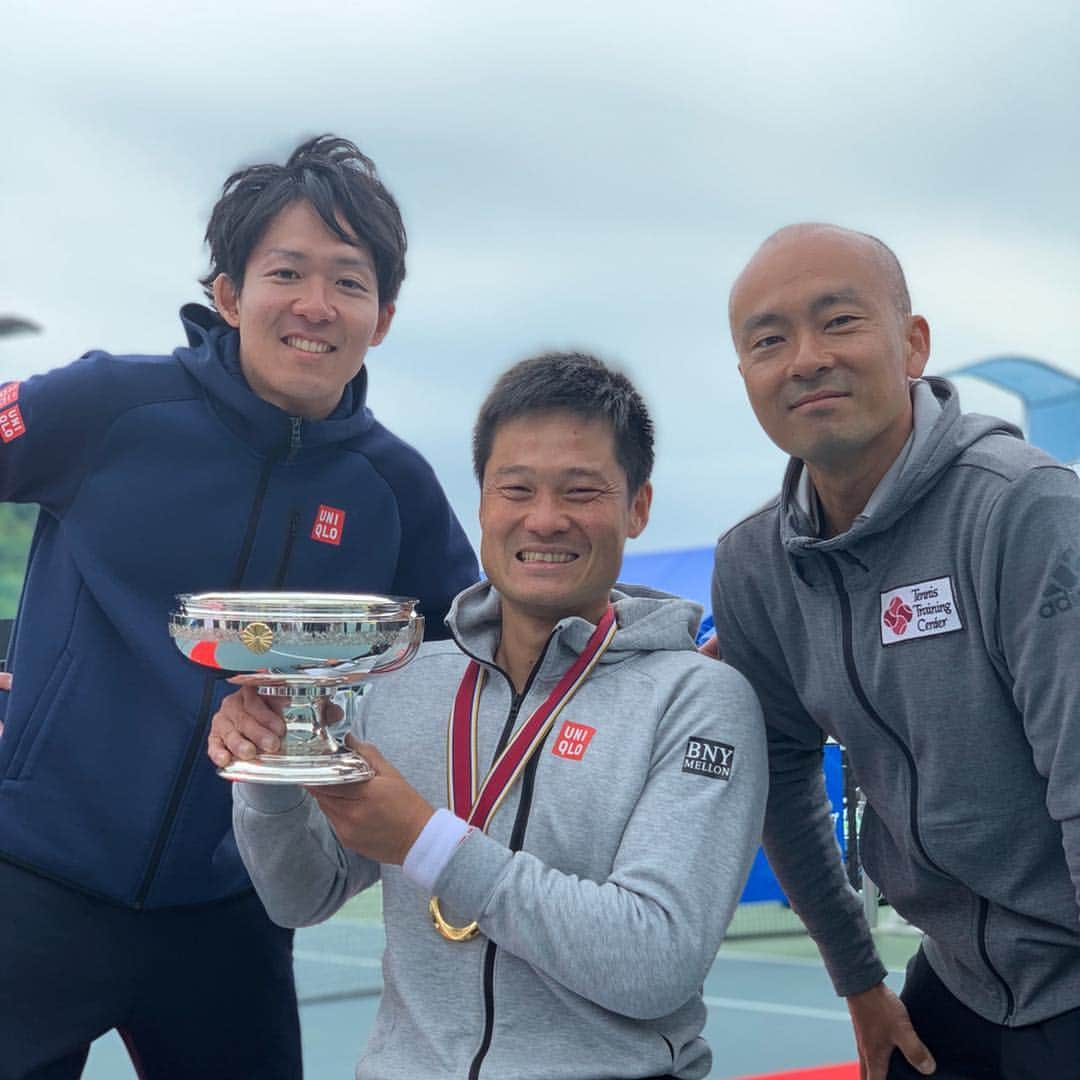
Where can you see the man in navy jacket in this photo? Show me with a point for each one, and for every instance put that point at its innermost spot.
(245, 460)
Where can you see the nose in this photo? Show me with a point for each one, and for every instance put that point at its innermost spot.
(810, 359)
(546, 516)
(313, 302)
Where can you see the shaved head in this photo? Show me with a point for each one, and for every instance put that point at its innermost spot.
(876, 249)
(827, 346)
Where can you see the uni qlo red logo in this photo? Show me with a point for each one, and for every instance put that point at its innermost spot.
(9, 394)
(11, 423)
(897, 616)
(329, 525)
(573, 740)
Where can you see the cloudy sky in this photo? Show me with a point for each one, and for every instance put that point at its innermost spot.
(572, 174)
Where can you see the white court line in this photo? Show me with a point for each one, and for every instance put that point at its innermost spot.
(719, 1002)
(335, 958)
(749, 957)
(795, 961)
(772, 1007)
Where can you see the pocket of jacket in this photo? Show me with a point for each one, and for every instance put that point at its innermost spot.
(42, 718)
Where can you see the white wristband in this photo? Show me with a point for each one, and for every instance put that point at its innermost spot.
(433, 848)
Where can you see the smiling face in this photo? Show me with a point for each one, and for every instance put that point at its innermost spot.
(825, 349)
(307, 313)
(555, 514)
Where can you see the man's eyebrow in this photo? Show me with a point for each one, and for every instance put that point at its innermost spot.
(832, 299)
(816, 306)
(358, 261)
(582, 472)
(512, 470)
(578, 472)
(763, 319)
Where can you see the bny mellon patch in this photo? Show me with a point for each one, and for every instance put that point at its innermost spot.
(707, 757)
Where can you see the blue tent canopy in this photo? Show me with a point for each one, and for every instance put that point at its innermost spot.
(1051, 399)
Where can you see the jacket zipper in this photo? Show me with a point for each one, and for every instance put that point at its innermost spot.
(868, 708)
(517, 838)
(198, 733)
(286, 551)
(294, 437)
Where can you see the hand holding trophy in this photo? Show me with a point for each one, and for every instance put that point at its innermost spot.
(305, 647)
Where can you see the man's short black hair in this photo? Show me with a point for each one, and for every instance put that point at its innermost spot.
(577, 383)
(337, 179)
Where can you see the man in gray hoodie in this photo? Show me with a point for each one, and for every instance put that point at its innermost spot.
(556, 917)
(914, 592)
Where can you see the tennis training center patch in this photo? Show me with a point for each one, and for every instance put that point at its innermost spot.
(707, 757)
(925, 609)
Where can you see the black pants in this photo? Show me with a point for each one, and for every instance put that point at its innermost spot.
(196, 993)
(967, 1047)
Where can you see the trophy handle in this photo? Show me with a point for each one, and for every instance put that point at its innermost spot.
(416, 636)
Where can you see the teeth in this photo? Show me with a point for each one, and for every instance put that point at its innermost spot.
(308, 346)
(546, 556)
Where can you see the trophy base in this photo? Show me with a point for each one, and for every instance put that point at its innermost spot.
(310, 770)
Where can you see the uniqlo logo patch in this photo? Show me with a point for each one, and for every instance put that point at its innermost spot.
(329, 525)
(917, 611)
(11, 423)
(573, 741)
(707, 757)
(9, 394)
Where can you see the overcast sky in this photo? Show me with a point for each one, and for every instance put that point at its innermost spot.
(589, 174)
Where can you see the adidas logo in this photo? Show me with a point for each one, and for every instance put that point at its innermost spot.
(1063, 592)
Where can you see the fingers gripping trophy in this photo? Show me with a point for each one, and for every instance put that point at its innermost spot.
(306, 648)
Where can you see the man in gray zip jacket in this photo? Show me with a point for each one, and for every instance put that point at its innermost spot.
(565, 930)
(913, 592)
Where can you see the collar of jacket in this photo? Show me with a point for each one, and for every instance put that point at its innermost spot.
(950, 434)
(211, 357)
(648, 621)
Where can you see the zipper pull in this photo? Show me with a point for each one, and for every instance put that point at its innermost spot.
(294, 436)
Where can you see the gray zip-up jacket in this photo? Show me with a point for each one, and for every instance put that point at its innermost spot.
(938, 639)
(604, 884)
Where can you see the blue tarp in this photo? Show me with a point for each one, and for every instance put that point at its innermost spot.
(684, 572)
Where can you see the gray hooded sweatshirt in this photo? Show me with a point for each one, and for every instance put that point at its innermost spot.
(938, 639)
(605, 881)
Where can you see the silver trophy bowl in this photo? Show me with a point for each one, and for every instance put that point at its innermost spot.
(306, 647)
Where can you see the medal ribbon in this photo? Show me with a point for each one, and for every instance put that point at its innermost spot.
(479, 808)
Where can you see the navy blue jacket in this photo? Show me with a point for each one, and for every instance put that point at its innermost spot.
(157, 476)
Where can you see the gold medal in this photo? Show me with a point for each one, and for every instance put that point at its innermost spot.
(451, 933)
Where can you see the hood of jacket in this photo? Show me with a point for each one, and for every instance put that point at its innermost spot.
(212, 358)
(932, 452)
(648, 621)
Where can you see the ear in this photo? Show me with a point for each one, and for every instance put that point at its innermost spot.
(382, 326)
(918, 342)
(480, 506)
(639, 510)
(227, 300)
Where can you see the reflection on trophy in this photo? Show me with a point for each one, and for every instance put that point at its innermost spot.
(306, 647)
